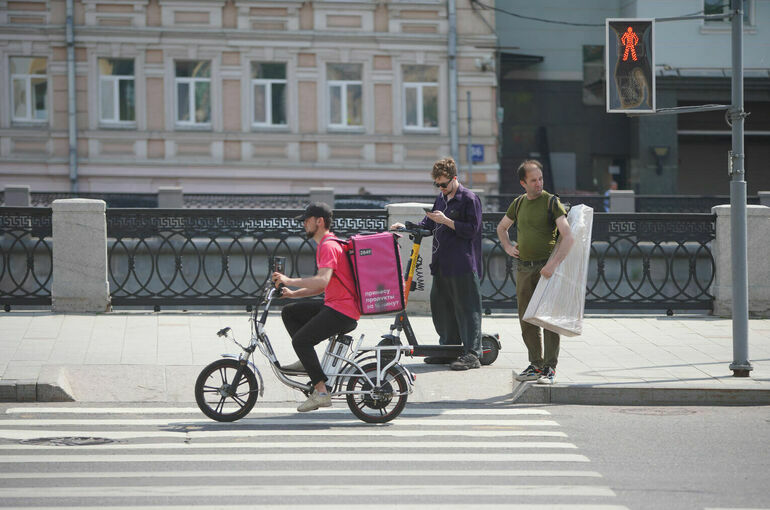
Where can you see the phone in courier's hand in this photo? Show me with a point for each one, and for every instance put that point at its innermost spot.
(428, 209)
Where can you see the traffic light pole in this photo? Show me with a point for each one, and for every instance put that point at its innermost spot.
(740, 365)
(470, 143)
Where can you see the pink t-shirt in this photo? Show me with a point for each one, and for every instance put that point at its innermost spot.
(340, 292)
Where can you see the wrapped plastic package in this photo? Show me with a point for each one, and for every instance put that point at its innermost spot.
(559, 301)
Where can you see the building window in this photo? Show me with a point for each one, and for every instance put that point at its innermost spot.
(344, 95)
(193, 93)
(116, 91)
(420, 97)
(593, 75)
(723, 7)
(29, 89)
(268, 83)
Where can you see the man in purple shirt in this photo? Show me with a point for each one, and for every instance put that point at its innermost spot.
(455, 298)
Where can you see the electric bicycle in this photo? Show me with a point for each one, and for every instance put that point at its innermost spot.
(370, 379)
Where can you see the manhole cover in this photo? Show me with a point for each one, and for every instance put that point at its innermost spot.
(657, 411)
(67, 441)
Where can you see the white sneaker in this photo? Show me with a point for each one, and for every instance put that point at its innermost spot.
(547, 377)
(314, 401)
(531, 373)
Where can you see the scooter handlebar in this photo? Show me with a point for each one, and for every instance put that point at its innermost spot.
(414, 228)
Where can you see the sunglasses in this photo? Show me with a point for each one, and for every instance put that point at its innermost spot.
(442, 185)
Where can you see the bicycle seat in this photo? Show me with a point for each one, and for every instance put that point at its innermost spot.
(346, 331)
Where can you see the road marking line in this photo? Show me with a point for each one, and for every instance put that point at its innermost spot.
(224, 433)
(300, 420)
(125, 475)
(294, 445)
(307, 490)
(412, 411)
(301, 457)
(357, 506)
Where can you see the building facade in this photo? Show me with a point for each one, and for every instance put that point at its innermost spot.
(243, 96)
(552, 92)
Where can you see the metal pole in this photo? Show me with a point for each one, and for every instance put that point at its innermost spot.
(71, 94)
(454, 137)
(470, 143)
(740, 365)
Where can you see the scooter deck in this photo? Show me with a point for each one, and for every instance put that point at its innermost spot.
(448, 351)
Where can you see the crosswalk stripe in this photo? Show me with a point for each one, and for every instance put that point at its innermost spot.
(128, 475)
(409, 411)
(277, 452)
(17, 434)
(300, 420)
(296, 445)
(302, 457)
(357, 506)
(311, 490)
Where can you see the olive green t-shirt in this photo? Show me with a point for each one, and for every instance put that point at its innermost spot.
(536, 234)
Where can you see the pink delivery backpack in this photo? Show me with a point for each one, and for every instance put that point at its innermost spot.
(376, 263)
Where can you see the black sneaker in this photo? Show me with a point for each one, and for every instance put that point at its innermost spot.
(531, 373)
(465, 362)
(547, 376)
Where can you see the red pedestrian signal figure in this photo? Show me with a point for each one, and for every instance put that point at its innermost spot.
(630, 39)
(630, 73)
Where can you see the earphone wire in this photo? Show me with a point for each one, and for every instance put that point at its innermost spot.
(436, 226)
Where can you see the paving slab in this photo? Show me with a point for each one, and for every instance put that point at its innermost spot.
(146, 356)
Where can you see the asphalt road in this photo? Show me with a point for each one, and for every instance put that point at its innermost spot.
(676, 457)
(448, 456)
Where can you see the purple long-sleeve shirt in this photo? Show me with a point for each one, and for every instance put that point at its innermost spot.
(457, 251)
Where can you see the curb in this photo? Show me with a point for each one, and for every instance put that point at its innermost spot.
(51, 386)
(583, 394)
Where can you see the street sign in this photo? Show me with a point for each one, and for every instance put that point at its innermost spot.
(630, 71)
(477, 153)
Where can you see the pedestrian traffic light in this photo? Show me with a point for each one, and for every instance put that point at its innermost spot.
(630, 70)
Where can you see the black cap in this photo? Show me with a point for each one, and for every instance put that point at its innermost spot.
(316, 210)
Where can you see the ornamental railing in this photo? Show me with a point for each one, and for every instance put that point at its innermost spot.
(220, 257)
(685, 203)
(245, 201)
(638, 261)
(490, 203)
(26, 256)
(45, 199)
(210, 257)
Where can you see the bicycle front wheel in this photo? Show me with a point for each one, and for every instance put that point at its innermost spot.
(219, 398)
(384, 403)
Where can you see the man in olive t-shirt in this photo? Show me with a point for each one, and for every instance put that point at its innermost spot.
(536, 235)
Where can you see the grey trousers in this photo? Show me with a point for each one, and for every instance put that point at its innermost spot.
(455, 303)
(543, 352)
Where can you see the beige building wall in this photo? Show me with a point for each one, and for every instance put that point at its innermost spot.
(233, 153)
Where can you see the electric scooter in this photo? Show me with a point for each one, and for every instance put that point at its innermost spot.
(490, 343)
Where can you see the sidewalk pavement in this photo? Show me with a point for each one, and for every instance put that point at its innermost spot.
(155, 357)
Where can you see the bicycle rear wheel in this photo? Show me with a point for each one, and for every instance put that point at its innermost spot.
(216, 395)
(385, 403)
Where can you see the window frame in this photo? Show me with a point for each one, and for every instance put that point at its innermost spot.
(749, 23)
(344, 84)
(116, 79)
(29, 118)
(268, 84)
(191, 83)
(420, 126)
